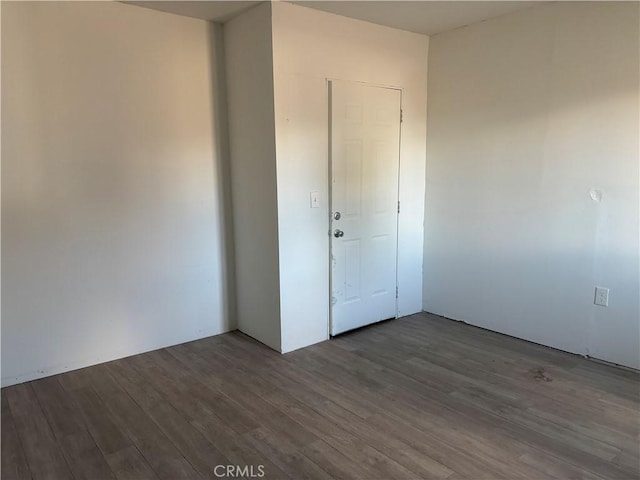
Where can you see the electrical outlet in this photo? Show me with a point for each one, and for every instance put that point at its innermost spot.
(602, 297)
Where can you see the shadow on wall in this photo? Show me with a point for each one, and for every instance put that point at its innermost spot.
(222, 175)
(115, 227)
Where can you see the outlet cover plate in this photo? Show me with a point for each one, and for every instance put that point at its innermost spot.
(602, 297)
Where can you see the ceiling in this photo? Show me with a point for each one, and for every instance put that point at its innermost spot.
(215, 11)
(427, 17)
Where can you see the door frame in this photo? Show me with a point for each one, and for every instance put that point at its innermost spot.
(328, 84)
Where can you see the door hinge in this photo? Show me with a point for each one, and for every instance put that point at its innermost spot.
(400, 115)
(396, 292)
(398, 206)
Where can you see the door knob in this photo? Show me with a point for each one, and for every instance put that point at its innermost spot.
(338, 233)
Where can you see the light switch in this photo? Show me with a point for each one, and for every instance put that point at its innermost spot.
(315, 199)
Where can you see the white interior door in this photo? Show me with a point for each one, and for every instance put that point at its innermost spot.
(365, 154)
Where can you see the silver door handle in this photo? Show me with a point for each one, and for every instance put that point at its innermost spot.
(336, 216)
(338, 233)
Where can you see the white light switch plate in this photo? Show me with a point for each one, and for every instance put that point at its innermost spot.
(602, 297)
(315, 199)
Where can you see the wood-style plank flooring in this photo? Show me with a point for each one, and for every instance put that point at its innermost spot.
(419, 397)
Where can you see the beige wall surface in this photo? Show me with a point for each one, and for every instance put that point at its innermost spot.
(249, 70)
(310, 47)
(111, 196)
(532, 176)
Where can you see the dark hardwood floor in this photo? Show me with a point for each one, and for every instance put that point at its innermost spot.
(419, 397)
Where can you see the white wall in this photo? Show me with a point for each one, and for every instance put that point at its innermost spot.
(528, 113)
(249, 70)
(308, 47)
(111, 194)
